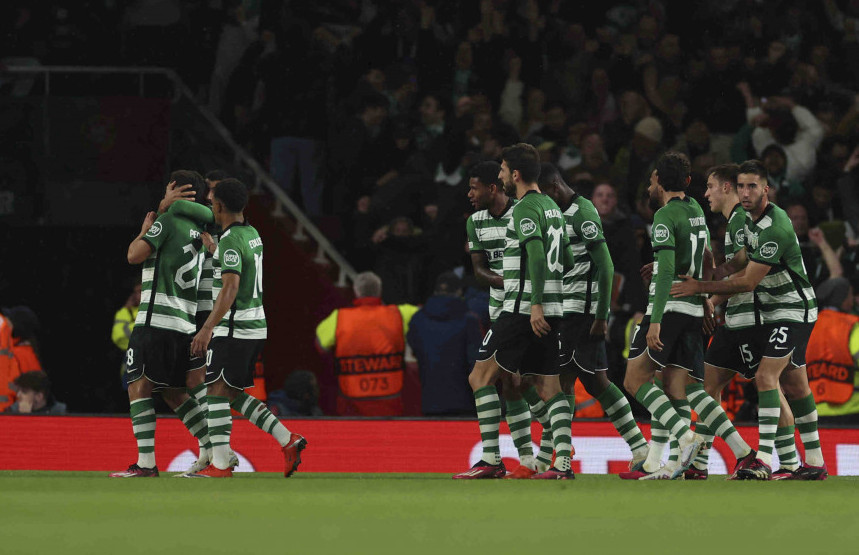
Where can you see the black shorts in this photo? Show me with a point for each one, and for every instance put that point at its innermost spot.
(681, 340)
(161, 356)
(784, 339)
(579, 350)
(199, 362)
(734, 350)
(517, 349)
(233, 360)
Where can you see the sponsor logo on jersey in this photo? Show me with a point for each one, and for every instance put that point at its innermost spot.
(231, 258)
(660, 233)
(740, 238)
(769, 249)
(589, 230)
(527, 226)
(155, 230)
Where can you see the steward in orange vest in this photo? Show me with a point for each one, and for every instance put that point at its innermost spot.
(9, 369)
(368, 340)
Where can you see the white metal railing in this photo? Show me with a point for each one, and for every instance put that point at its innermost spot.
(303, 223)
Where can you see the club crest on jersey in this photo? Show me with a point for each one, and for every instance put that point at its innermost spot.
(769, 249)
(589, 230)
(740, 238)
(660, 233)
(155, 230)
(231, 258)
(527, 226)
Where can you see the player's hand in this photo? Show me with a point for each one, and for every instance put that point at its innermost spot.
(647, 271)
(200, 343)
(653, 341)
(687, 288)
(147, 222)
(174, 193)
(538, 323)
(709, 317)
(599, 329)
(208, 242)
(816, 236)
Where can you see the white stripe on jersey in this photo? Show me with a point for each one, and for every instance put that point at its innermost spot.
(258, 333)
(161, 299)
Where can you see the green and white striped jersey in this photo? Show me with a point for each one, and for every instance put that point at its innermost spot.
(536, 217)
(739, 313)
(488, 235)
(240, 251)
(785, 294)
(205, 299)
(168, 293)
(584, 229)
(680, 226)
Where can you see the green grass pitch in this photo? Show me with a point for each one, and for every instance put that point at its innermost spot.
(85, 512)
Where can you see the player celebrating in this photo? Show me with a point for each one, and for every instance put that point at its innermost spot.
(487, 231)
(587, 292)
(238, 325)
(679, 238)
(158, 350)
(785, 310)
(524, 338)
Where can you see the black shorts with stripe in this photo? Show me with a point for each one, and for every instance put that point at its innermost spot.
(681, 339)
(233, 360)
(517, 349)
(580, 351)
(161, 356)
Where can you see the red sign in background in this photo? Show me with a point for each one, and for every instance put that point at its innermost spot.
(107, 443)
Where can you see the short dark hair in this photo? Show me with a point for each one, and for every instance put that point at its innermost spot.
(783, 126)
(548, 174)
(673, 170)
(233, 194)
(754, 167)
(447, 283)
(725, 172)
(190, 177)
(217, 175)
(35, 380)
(523, 158)
(487, 173)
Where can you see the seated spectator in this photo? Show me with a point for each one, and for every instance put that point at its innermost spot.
(34, 395)
(25, 349)
(445, 338)
(298, 397)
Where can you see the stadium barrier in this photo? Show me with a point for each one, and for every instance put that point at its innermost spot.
(448, 446)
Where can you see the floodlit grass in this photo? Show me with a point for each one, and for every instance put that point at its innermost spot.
(404, 514)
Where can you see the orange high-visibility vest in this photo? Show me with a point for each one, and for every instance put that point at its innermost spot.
(831, 368)
(9, 368)
(369, 352)
(25, 355)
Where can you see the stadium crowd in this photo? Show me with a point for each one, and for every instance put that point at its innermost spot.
(372, 113)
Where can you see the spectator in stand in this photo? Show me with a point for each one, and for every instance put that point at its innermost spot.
(635, 162)
(34, 395)
(833, 354)
(633, 108)
(368, 344)
(445, 337)
(298, 397)
(9, 369)
(123, 323)
(25, 347)
(848, 191)
(821, 261)
(401, 251)
(774, 159)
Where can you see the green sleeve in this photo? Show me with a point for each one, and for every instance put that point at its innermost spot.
(605, 267)
(473, 242)
(537, 270)
(772, 243)
(159, 231)
(230, 255)
(664, 277)
(192, 210)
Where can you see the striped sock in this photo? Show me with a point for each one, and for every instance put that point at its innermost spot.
(785, 446)
(489, 417)
(769, 408)
(685, 412)
(617, 408)
(143, 423)
(519, 421)
(658, 440)
(805, 413)
(660, 407)
(259, 415)
(715, 419)
(702, 460)
(199, 395)
(195, 420)
(538, 409)
(559, 414)
(220, 426)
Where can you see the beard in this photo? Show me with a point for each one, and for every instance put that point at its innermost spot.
(654, 203)
(509, 188)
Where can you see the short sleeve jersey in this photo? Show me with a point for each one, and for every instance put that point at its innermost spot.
(240, 252)
(680, 226)
(168, 293)
(536, 217)
(488, 234)
(584, 228)
(740, 312)
(785, 294)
